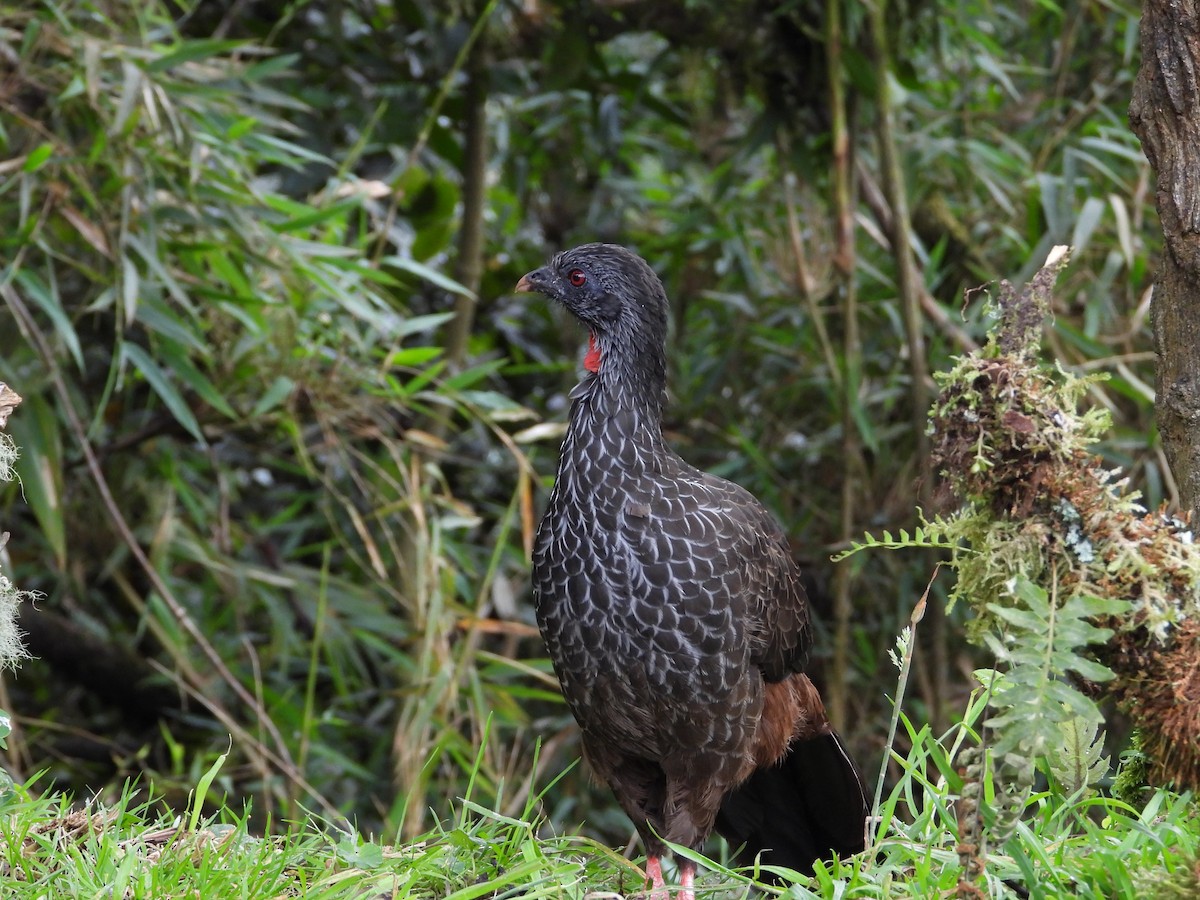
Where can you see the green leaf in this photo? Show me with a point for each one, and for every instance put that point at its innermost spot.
(183, 369)
(358, 853)
(130, 287)
(1091, 670)
(1085, 224)
(1018, 617)
(279, 390)
(240, 127)
(37, 157)
(315, 216)
(473, 375)
(161, 319)
(202, 786)
(433, 276)
(414, 356)
(428, 322)
(141, 360)
(498, 406)
(154, 264)
(39, 467)
(192, 50)
(47, 300)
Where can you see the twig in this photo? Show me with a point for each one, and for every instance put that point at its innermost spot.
(910, 288)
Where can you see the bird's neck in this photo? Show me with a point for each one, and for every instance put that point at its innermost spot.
(628, 371)
(618, 405)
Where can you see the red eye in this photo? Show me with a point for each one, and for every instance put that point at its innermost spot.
(576, 277)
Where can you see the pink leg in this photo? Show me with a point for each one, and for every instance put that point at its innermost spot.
(658, 890)
(687, 875)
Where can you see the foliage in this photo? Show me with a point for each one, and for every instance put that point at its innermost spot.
(260, 489)
(1066, 843)
(277, 534)
(1077, 761)
(1061, 844)
(1064, 570)
(133, 847)
(1042, 641)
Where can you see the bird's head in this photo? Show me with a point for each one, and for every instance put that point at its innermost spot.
(616, 294)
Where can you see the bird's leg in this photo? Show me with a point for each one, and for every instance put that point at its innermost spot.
(658, 889)
(687, 875)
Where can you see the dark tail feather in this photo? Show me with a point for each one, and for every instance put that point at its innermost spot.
(806, 807)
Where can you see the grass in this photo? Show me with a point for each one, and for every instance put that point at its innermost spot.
(135, 846)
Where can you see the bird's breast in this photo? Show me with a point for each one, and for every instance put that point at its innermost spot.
(611, 604)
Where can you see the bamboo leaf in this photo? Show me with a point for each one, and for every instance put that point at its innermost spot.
(47, 300)
(162, 385)
(279, 390)
(183, 368)
(39, 467)
(192, 50)
(433, 276)
(37, 157)
(130, 285)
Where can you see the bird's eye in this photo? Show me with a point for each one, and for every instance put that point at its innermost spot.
(576, 277)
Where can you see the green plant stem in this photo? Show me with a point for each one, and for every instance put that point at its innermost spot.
(909, 286)
(308, 719)
(844, 256)
(914, 620)
(468, 268)
(804, 279)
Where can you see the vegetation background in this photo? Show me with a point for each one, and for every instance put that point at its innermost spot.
(287, 432)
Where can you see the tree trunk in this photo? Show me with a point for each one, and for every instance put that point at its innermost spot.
(1165, 115)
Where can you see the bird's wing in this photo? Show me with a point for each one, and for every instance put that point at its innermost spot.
(711, 537)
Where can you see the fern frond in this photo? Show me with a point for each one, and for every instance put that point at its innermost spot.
(931, 536)
(1078, 760)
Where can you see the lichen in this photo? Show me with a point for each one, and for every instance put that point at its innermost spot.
(11, 648)
(1016, 454)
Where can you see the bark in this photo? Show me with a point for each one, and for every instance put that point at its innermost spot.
(1165, 115)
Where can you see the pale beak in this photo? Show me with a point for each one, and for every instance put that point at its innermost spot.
(531, 282)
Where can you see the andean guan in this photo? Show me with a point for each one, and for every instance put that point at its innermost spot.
(673, 611)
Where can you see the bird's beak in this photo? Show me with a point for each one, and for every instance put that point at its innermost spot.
(528, 282)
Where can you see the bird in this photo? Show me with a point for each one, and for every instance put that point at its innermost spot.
(673, 612)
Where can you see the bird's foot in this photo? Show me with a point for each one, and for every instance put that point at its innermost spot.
(658, 888)
(687, 875)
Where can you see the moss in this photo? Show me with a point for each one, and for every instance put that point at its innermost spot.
(1014, 450)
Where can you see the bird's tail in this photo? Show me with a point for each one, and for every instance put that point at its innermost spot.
(808, 806)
